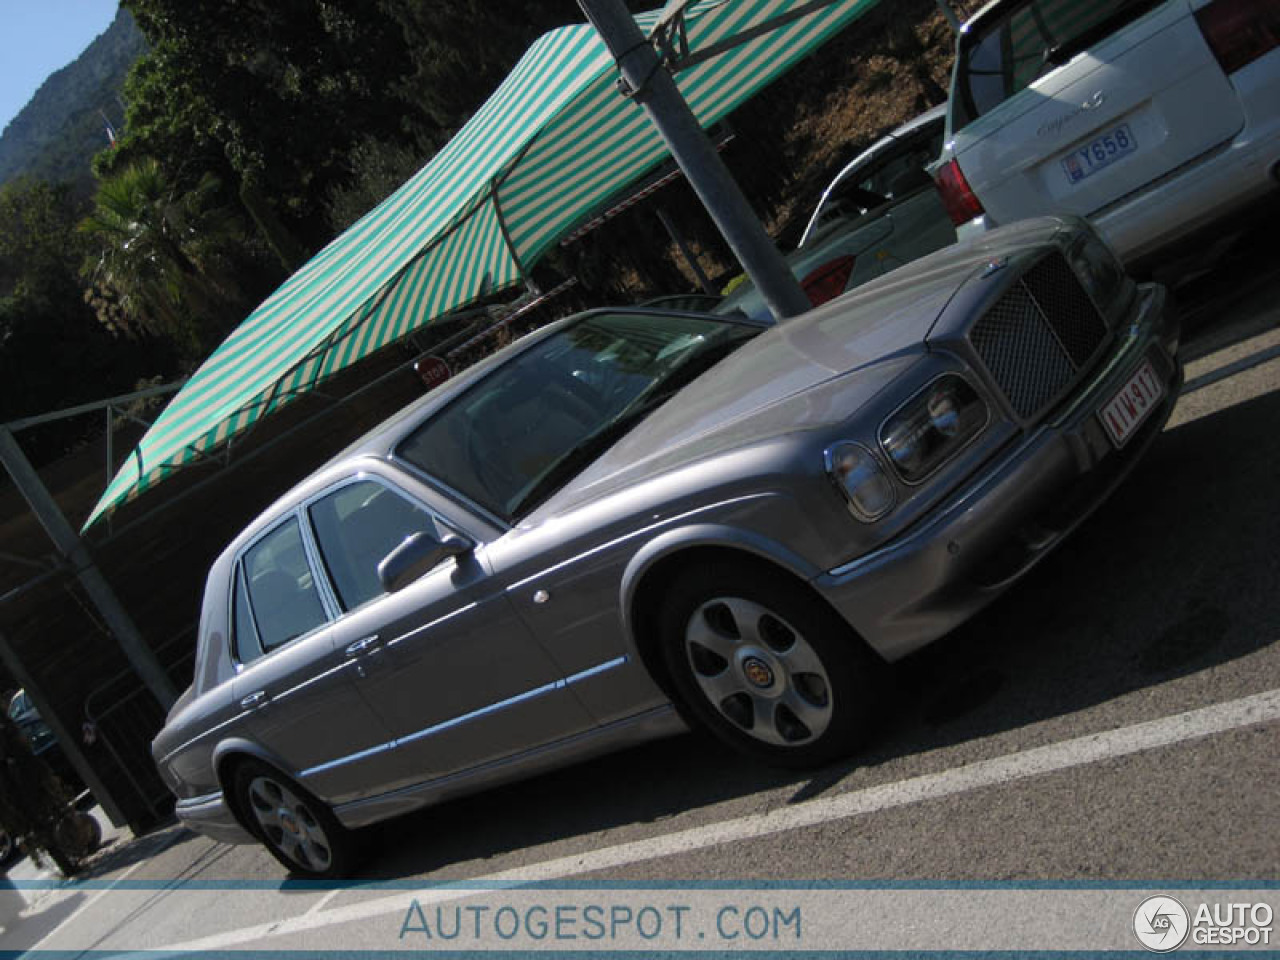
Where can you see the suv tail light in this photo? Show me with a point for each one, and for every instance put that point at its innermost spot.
(957, 196)
(827, 281)
(1240, 31)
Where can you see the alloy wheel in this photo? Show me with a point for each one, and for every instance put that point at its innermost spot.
(289, 825)
(758, 671)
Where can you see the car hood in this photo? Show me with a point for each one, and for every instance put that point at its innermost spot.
(807, 372)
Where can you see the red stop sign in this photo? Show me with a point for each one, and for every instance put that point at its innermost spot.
(433, 371)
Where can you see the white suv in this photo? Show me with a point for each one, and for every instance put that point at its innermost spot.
(1151, 118)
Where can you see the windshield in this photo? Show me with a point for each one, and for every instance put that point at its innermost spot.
(513, 438)
(1007, 52)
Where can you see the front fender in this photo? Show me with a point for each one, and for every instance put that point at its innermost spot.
(695, 536)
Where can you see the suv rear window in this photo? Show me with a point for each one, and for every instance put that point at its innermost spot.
(1016, 43)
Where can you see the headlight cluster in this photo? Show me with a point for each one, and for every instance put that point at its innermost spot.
(926, 432)
(933, 426)
(1098, 268)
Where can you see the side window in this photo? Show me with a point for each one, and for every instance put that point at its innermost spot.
(356, 526)
(246, 646)
(282, 592)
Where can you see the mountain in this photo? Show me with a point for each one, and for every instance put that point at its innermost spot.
(55, 135)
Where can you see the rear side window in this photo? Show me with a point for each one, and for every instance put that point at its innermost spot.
(283, 594)
(1007, 52)
(880, 179)
(356, 527)
(247, 646)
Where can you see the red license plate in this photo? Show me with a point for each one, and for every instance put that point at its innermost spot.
(1132, 404)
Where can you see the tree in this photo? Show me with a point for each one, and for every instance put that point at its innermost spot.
(162, 253)
(285, 88)
(461, 50)
(53, 351)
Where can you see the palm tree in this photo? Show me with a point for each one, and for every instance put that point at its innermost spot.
(160, 254)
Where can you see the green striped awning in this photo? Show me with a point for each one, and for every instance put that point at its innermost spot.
(552, 144)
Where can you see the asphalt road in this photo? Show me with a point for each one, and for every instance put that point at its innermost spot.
(1114, 717)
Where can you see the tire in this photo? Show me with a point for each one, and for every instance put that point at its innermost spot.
(6, 847)
(766, 667)
(295, 827)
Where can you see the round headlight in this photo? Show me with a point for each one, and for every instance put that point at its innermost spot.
(866, 487)
(932, 426)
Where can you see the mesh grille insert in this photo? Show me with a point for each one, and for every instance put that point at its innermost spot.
(1039, 335)
(1067, 307)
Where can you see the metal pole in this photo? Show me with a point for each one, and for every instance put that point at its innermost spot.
(678, 239)
(657, 93)
(67, 739)
(95, 585)
(949, 12)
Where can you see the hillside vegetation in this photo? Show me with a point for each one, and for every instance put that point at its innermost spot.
(54, 137)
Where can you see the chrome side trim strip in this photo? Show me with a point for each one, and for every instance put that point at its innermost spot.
(644, 531)
(215, 797)
(200, 736)
(434, 623)
(590, 742)
(561, 684)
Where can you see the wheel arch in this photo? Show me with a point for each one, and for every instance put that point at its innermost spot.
(664, 558)
(228, 756)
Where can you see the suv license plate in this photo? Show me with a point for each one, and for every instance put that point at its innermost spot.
(1132, 404)
(1102, 152)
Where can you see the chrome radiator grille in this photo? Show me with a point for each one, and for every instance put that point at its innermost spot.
(1039, 336)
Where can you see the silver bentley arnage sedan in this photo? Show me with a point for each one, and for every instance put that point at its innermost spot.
(634, 521)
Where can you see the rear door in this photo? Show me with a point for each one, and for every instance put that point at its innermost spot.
(295, 686)
(1124, 107)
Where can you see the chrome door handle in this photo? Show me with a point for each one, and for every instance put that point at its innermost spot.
(360, 646)
(257, 698)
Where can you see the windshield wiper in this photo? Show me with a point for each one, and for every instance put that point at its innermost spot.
(573, 462)
(586, 452)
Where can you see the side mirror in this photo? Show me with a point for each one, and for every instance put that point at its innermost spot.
(418, 554)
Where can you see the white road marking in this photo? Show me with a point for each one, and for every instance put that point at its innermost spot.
(1065, 755)
(87, 904)
(324, 901)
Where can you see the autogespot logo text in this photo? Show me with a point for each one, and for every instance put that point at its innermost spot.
(1161, 923)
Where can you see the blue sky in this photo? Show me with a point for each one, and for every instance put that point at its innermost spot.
(38, 37)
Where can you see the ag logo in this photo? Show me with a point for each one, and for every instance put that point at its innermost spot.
(1161, 924)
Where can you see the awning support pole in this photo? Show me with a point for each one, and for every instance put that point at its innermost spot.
(100, 594)
(67, 738)
(655, 91)
(678, 239)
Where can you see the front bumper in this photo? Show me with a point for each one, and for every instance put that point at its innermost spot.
(1013, 511)
(211, 816)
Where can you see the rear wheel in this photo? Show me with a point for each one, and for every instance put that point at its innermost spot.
(298, 830)
(765, 666)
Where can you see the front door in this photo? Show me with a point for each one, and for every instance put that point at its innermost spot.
(446, 663)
